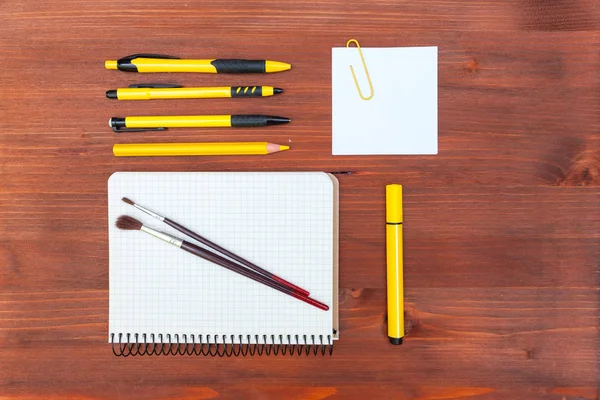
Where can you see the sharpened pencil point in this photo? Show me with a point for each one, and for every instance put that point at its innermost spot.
(126, 200)
(274, 148)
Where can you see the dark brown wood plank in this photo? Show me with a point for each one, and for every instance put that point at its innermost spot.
(468, 237)
(501, 341)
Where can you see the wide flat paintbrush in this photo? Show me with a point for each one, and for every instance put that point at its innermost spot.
(216, 247)
(126, 222)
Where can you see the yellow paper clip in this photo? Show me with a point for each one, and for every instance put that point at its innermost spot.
(362, 58)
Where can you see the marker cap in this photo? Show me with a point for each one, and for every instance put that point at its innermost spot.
(393, 208)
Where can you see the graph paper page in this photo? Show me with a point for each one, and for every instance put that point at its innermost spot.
(281, 221)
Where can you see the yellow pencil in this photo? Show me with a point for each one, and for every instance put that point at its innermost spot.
(167, 91)
(163, 63)
(196, 149)
(395, 279)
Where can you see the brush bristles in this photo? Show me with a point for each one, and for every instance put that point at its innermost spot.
(126, 200)
(128, 223)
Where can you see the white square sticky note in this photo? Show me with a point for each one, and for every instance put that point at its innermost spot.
(402, 116)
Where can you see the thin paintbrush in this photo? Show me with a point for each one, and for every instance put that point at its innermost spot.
(126, 222)
(216, 247)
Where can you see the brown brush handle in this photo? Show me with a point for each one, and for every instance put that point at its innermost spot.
(217, 259)
(235, 257)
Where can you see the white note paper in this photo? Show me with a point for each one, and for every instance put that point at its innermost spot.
(402, 116)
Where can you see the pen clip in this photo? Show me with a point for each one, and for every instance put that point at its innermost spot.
(127, 59)
(155, 86)
(117, 124)
(117, 129)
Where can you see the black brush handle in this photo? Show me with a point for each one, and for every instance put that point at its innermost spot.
(234, 256)
(255, 276)
(230, 265)
(237, 66)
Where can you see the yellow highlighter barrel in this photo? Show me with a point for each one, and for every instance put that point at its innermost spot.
(395, 279)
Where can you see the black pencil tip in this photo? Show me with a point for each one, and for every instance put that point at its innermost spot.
(277, 120)
(277, 90)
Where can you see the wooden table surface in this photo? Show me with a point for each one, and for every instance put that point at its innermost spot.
(501, 228)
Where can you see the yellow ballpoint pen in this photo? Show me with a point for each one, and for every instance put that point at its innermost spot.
(395, 279)
(161, 123)
(151, 91)
(165, 63)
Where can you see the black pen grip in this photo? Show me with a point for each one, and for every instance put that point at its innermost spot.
(246, 91)
(249, 121)
(235, 66)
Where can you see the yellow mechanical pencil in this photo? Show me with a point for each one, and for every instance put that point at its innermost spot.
(161, 123)
(151, 91)
(164, 63)
(395, 279)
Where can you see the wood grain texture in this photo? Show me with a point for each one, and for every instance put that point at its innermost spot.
(502, 236)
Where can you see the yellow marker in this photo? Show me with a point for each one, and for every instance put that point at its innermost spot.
(152, 123)
(164, 63)
(395, 279)
(196, 149)
(153, 91)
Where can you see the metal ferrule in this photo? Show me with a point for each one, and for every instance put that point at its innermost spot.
(149, 212)
(164, 236)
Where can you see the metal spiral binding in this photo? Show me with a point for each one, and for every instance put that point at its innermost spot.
(137, 345)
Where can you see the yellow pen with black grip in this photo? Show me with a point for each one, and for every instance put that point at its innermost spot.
(152, 91)
(395, 278)
(144, 63)
(161, 123)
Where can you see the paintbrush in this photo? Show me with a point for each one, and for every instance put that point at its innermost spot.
(216, 247)
(126, 222)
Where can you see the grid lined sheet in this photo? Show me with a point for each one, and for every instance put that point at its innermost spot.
(281, 221)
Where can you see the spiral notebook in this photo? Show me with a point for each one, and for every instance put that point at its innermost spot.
(166, 301)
